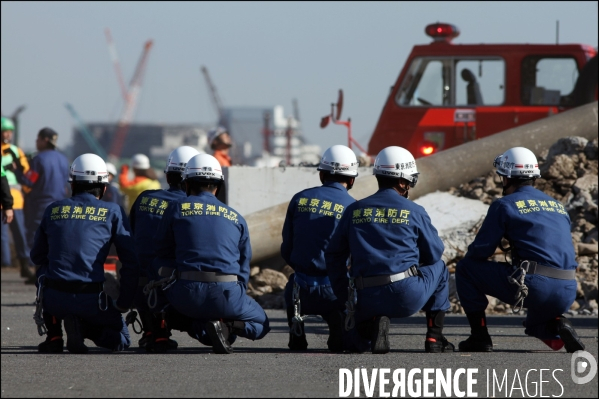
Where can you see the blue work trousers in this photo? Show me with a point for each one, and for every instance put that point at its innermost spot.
(428, 291)
(19, 237)
(547, 297)
(214, 301)
(107, 329)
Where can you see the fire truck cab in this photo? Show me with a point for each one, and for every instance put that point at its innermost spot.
(448, 94)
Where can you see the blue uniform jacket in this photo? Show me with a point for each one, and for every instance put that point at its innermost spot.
(201, 233)
(47, 178)
(312, 216)
(74, 238)
(536, 225)
(146, 214)
(385, 234)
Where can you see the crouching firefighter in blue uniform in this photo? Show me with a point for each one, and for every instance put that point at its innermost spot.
(396, 267)
(541, 276)
(203, 252)
(70, 248)
(145, 216)
(312, 216)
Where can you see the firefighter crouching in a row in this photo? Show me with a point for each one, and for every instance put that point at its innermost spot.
(384, 248)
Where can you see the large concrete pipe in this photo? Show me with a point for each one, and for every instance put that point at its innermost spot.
(446, 169)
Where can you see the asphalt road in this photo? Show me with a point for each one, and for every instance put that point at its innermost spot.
(267, 369)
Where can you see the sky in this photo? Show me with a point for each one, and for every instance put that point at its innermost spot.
(258, 54)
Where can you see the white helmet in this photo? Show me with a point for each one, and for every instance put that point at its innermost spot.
(517, 163)
(88, 169)
(179, 158)
(203, 166)
(110, 168)
(140, 161)
(339, 160)
(396, 162)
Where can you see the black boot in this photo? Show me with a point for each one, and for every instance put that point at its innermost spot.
(479, 340)
(72, 326)
(146, 325)
(158, 340)
(219, 333)
(563, 327)
(296, 343)
(380, 335)
(54, 342)
(435, 341)
(335, 323)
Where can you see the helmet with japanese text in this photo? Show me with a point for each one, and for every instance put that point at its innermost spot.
(517, 163)
(88, 169)
(396, 162)
(203, 167)
(140, 161)
(177, 160)
(340, 160)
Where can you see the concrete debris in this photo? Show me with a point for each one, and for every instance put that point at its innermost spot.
(267, 287)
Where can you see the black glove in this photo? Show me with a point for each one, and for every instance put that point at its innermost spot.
(16, 164)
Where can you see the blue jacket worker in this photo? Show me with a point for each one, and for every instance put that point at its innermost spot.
(541, 276)
(312, 216)
(45, 182)
(396, 268)
(145, 216)
(204, 246)
(70, 248)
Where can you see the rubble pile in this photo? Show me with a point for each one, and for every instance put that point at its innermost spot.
(569, 174)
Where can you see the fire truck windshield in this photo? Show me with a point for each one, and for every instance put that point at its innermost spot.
(453, 81)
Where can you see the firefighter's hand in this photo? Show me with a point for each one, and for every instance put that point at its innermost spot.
(7, 215)
(124, 168)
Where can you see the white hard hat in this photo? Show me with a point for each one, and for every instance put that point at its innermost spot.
(89, 169)
(214, 133)
(110, 168)
(340, 160)
(517, 163)
(203, 166)
(396, 162)
(179, 157)
(140, 161)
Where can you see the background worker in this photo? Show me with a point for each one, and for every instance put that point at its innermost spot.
(312, 216)
(15, 165)
(145, 179)
(207, 244)
(7, 200)
(70, 247)
(146, 214)
(113, 193)
(542, 272)
(45, 182)
(220, 142)
(396, 252)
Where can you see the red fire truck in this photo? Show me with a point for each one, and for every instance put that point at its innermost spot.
(448, 94)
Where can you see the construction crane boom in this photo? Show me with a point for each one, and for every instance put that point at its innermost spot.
(117, 65)
(130, 104)
(87, 134)
(216, 101)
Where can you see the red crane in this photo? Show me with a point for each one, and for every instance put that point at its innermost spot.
(130, 96)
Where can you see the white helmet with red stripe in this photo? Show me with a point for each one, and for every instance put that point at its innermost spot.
(88, 169)
(396, 162)
(204, 167)
(339, 160)
(517, 163)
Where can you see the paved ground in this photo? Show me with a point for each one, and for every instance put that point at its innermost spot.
(266, 369)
